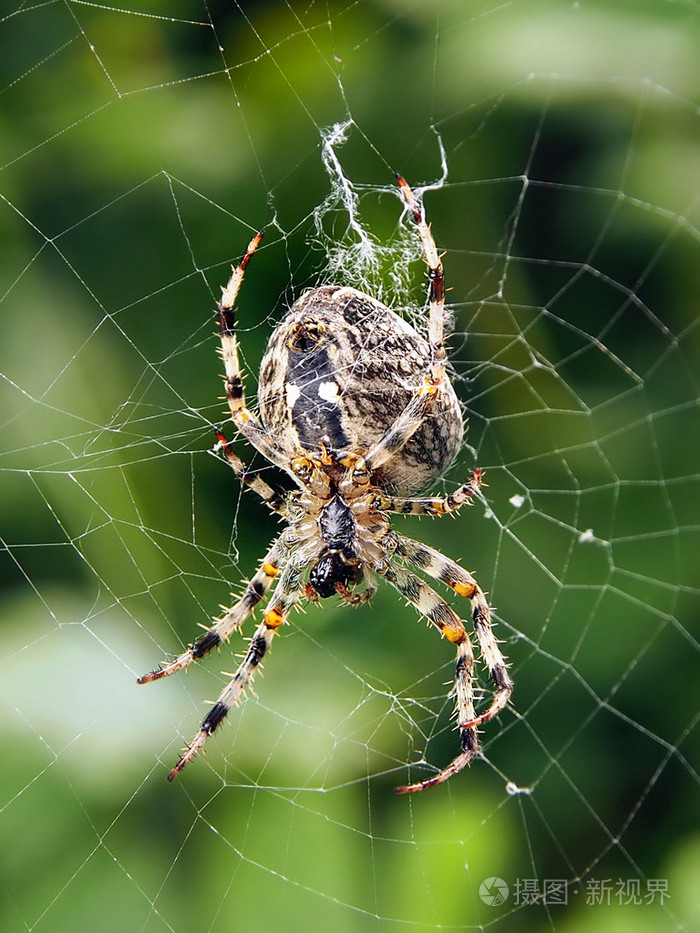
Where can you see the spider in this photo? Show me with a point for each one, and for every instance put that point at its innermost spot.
(356, 407)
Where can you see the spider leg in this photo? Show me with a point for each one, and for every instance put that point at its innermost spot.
(222, 628)
(441, 568)
(410, 420)
(429, 604)
(436, 277)
(433, 505)
(274, 500)
(356, 599)
(246, 422)
(406, 425)
(285, 595)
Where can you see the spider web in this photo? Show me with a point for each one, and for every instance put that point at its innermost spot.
(555, 147)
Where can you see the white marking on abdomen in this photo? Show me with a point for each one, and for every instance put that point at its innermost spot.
(328, 391)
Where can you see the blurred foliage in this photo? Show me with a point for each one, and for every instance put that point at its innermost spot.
(140, 145)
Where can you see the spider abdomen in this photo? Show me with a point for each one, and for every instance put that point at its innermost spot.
(339, 370)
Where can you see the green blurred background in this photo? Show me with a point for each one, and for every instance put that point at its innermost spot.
(140, 146)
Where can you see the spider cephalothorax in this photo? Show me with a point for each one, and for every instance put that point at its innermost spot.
(355, 406)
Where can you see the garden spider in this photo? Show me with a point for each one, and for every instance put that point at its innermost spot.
(356, 406)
